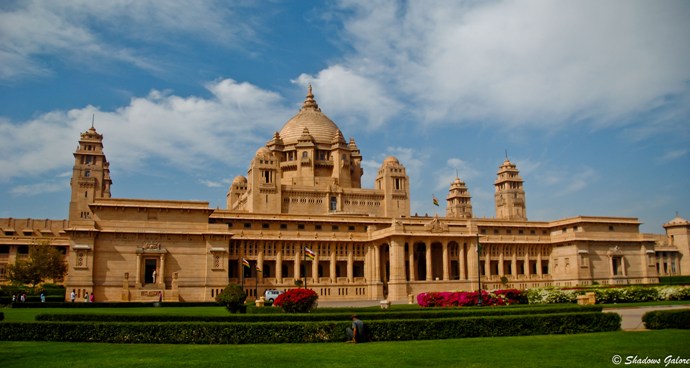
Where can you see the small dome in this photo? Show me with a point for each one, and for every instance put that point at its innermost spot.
(677, 221)
(239, 179)
(263, 151)
(391, 160)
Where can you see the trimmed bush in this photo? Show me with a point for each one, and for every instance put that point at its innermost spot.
(301, 332)
(662, 319)
(297, 300)
(64, 304)
(232, 297)
(315, 317)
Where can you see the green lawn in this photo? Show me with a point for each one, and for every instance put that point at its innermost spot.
(586, 350)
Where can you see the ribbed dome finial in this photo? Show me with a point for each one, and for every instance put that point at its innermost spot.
(309, 102)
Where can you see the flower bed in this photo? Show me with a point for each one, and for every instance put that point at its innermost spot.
(609, 295)
(469, 298)
(297, 300)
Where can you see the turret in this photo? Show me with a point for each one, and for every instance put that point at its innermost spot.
(510, 194)
(393, 180)
(90, 176)
(459, 201)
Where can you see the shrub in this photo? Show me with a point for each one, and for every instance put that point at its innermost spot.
(658, 320)
(320, 317)
(300, 332)
(232, 298)
(297, 300)
(469, 298)
(609, 295)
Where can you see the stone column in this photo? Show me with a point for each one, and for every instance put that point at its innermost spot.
(527, 268)
(297, 257)
(461, 262)
(138, 278)
(377, 263)
(315, 264)
(397, 285)
(472, 263)
(161, 274)
(446, 275)
(334, 277)
(429, 273)
(539, 268)
(260, 265)
(513, 263)
(350, 262)
(501, 270)
(410, 260)
(486, 251)
(279, 262)
(624, 270)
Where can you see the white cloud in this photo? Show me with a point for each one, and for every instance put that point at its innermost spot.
(537, 63)
(454, 167)
(82, 32)
(188, 133)
(356, 100)
(567, 182)
(39, 188)
(674, 154)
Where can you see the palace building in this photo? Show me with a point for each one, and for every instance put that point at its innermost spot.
(303, 194)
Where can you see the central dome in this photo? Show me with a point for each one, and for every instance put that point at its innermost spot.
(309, 116)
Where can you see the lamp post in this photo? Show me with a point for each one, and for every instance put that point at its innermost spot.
(479, 271)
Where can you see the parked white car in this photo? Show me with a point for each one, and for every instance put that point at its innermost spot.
(272, 294)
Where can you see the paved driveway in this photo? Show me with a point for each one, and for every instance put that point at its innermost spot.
(632, 316)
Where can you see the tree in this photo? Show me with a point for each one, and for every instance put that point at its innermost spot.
(44, 262)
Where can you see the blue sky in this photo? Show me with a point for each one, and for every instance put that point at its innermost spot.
(591, 99)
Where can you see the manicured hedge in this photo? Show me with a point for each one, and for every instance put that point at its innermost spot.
(295, 317)
(662, 319)
(301, 332)
(63, 304)
(2, 316)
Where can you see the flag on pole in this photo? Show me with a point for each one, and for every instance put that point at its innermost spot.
(245, 263)
(435, 200)
(310, 253)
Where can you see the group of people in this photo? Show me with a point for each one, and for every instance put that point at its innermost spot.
(88, 298)
(21, 297)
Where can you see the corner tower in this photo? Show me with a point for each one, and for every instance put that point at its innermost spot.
(510, 194)
(459, 200)
(90, 176)
(393, 180)
(678, 231)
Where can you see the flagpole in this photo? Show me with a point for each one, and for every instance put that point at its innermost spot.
(256, 281)
(242, 272)
(304, 251)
